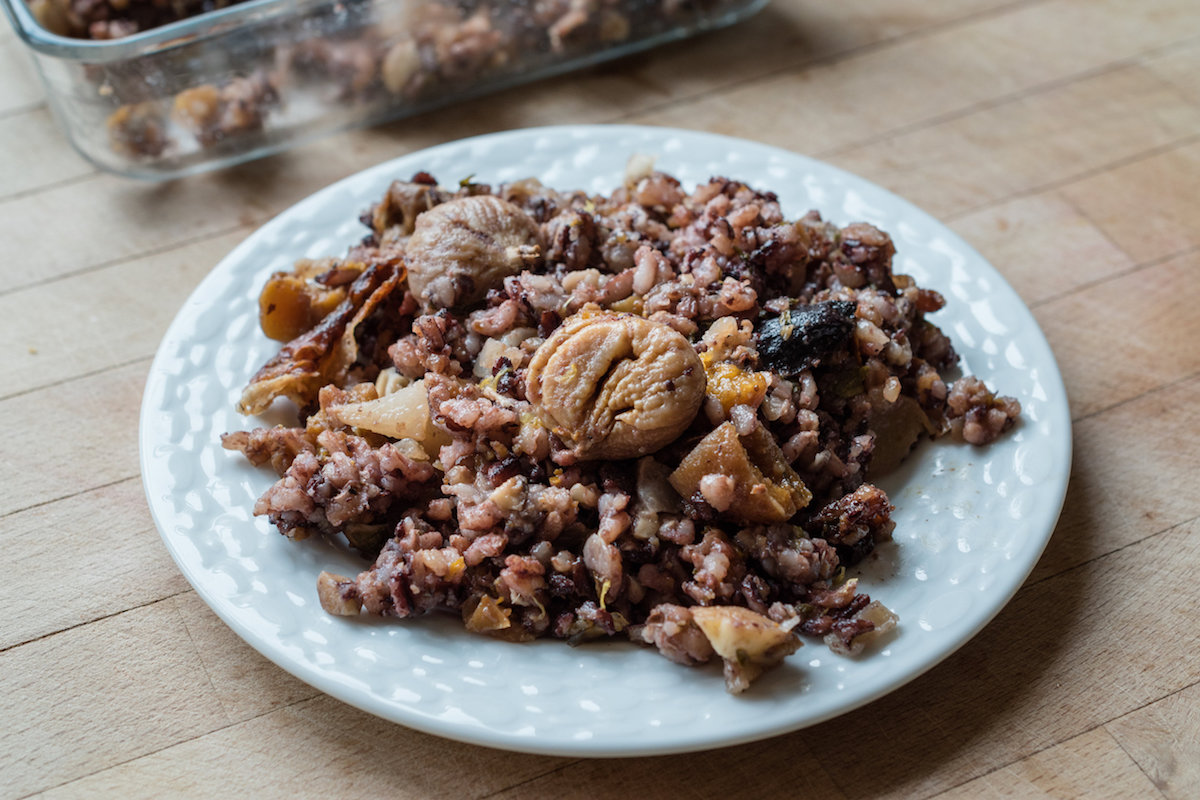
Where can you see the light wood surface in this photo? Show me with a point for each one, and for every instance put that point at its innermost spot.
(1060, 137)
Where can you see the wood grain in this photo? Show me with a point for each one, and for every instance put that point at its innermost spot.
(1125, 488)
(1150, 310)
(243, 682)
(53, 418)
(331, 750)
(106, 692)
(52, 348)
(1156, 214)
(717, 773)
(1042, 245)
(1178, 67)
(118, 562)
(1060, 137)
(1164, 739)
(1037, 139)
(38, 161)
(20, 89)
(1010, 681)
(867, 98)
(1092, 765)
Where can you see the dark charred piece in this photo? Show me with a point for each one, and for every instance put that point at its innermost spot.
(798, 339)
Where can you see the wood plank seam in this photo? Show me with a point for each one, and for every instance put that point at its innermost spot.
(1019, 718)
(212, 686)
(1019, 95)
(1000, 767)
(96, 619)
(1059, 183)
(1162, 699)
(1124, 273)
(1045, 749)
(1137, 267)
(1075, 420)
(77, 376)
(829, 776)
(1129, 755)
(529, 780)
(105, 485)
(50, 186)
(578, 761)
(1025, 586)
(947, 218)
(832, 59)
(166, 249)
(1014, 97)
(1103, 229)
(47, 187)
(1161, 387)
(154, 251)
(1115, 550)
(174, 744)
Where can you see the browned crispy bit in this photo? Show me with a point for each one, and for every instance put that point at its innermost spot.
(323, 354)
(294, 302)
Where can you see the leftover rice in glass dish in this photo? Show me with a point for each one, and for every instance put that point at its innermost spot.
(155, 90)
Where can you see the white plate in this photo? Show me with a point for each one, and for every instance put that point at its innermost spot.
(970, 523)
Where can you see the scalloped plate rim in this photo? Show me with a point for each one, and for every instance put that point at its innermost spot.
(689, 738)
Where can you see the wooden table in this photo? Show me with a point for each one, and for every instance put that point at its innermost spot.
(1061, 137)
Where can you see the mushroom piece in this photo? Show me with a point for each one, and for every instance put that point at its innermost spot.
(745, 477)
(672, 630)
(897, 427)
(395, 216)
(338, 595)
(461, 248)
(614, 386)
(746, 641)
(874, 621)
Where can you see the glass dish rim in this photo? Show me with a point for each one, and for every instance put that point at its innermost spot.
(210, 24)
(163, 37)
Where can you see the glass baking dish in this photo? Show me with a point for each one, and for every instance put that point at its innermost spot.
(254, 78)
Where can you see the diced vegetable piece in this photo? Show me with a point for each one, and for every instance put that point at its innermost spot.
(766, 488)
